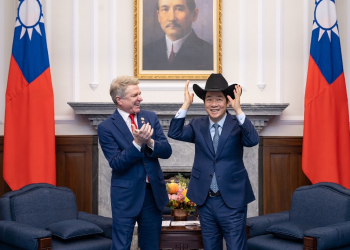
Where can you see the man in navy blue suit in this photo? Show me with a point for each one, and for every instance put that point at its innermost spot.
(219, 183)
(132, 140)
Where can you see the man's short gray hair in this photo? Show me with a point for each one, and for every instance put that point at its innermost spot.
(119, 85)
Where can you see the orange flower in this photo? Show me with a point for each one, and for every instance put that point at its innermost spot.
(173, 188)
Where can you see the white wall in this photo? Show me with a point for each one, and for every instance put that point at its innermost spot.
(91, 41)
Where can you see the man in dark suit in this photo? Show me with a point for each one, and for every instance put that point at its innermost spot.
(219, 183)
(180, 48)
(132, 140)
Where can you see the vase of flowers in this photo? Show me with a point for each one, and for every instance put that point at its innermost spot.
(178, 201)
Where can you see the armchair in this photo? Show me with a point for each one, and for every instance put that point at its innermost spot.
(45, 217)
(318, 219)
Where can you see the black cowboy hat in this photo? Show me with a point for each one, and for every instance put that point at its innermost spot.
(215, 82)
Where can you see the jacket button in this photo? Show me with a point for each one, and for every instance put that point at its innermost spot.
(211, 176)
(215, 161)
(144, 164)
(144, 180)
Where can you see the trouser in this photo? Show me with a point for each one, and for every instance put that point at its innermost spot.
(149, 222)
(218, 221)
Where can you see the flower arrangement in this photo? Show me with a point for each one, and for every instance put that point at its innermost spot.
(177, 192)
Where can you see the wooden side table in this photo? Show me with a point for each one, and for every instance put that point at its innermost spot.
(181, 238)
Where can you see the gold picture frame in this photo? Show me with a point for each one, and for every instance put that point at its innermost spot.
(146, 66)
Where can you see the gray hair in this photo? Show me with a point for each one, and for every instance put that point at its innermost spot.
(119, 85)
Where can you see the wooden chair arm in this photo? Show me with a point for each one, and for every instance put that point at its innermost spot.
(310, 243)
(247, 231)
(44, 244)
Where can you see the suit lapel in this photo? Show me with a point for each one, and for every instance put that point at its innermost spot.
(139, 120)
(121, 125)
(226, 130)
(206, 133)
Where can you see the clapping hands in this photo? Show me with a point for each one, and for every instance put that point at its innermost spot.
(143, 135)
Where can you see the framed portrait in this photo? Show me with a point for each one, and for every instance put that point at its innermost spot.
(177, 39)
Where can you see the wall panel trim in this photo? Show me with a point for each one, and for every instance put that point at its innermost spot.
(2, 62)
(112, 40)
(347, 70)
(75, 51)
(243, 44)
(279, 51)
(94, 44)
(261, 45)
(307, 39)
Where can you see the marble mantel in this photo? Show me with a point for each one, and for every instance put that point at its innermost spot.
(183, 153)
(97, 112)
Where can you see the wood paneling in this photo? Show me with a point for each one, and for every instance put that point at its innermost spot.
(76, 168)
(4, 188)
(280, 164)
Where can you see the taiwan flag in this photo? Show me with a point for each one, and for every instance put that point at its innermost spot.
(326, 143)
(29, 140)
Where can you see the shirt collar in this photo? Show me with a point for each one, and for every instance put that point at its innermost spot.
(177, 44)
(125, 115)
(221, 122)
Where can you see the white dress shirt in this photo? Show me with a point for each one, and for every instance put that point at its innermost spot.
(241, 118)
(177, 44)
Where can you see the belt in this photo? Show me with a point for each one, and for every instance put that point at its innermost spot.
(212, 194)
(148, 185)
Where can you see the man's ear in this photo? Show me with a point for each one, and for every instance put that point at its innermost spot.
(195, 14)
(158, 16)
(119, 100)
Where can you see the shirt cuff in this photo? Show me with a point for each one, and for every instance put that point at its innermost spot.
(181, 114)
(137, 146)
(152, 146)
(241, 118)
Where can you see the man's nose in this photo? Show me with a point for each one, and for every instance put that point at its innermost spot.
(140, 98)
(171, 15)
(214, 103)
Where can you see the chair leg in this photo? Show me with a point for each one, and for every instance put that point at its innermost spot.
(310, 243)
(44, 244)
(247, 231)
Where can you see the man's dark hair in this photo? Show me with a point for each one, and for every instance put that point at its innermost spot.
(191, 5)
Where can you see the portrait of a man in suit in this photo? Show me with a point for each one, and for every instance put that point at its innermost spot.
(179, 47)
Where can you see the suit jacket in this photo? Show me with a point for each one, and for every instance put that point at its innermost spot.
(231, 175)
(129, 165)
(194, 54)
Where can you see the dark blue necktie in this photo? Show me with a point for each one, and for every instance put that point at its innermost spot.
(214, 185)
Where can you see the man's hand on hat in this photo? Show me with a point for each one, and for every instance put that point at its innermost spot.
(143, 135)
(236, 103)
(188, 97)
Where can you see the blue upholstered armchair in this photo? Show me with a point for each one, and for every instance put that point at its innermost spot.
(319, 218)
(42, 216)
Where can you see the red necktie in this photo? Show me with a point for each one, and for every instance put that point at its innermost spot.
(132, 116)
(172, 54)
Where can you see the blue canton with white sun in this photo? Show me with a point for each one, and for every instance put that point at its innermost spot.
(29, 42)
(325, 42)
